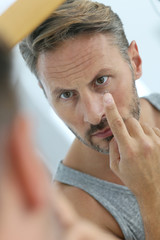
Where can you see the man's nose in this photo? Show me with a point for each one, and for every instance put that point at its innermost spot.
(92, 108)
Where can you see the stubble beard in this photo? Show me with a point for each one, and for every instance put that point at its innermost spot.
(134, 111)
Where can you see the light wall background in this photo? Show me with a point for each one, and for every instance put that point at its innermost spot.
(141, 23)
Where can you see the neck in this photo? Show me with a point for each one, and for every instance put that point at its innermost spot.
(84, 159)
(87, 160)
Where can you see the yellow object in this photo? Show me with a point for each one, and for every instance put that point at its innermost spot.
(23, 17)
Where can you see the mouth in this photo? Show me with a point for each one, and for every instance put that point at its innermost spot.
(103, 133)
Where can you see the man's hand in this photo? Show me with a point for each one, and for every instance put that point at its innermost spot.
(134, 151)
(135, 159)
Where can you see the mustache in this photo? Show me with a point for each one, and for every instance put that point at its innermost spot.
(94, 128)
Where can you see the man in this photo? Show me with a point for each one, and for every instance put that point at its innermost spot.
(87, 70)
(30, 207)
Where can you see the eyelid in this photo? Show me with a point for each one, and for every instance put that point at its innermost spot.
(104, 76)
(64, 91)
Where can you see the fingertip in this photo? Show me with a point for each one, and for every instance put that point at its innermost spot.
(108, 99)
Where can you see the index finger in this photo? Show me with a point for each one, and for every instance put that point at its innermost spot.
(115, 120)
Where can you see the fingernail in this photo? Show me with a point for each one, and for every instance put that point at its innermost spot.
(108, 99)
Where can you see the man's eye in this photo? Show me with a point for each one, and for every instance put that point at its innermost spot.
(101, 80)
(66, 95)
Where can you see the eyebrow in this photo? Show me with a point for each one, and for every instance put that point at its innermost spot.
(59, 90)
(103, 72)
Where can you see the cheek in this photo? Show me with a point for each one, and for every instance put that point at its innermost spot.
(62, 113)
(123, 97)
(67, 115)
(118, 98)
(119, 94)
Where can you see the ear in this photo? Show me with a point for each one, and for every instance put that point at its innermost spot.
(135, 59)
(30, 171)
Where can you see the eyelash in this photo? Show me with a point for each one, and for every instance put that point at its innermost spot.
(60, 96)
(95, 85)
(99, 85)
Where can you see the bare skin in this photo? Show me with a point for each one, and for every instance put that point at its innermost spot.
(30, 207)
(134, 153)
(78, 157)
(84, 208)
(84, 69)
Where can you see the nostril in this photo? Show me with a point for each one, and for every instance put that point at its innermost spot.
(103, 117)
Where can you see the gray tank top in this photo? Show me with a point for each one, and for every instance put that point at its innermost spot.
(116, 199)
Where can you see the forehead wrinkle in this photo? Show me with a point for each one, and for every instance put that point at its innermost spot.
(78, 68)
(71, 80)
(76, 54)
(76, 58)
(70, 69)
(68, 58)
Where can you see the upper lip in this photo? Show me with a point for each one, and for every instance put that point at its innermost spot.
(101, 131)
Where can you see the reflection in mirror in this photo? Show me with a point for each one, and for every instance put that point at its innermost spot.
(148, 42)
(90, 83)
(148, 83)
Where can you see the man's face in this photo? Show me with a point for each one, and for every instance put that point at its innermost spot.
(75, 78)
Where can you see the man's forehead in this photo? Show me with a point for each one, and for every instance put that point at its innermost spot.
(78, 60)
(75, 50)
(79, 44)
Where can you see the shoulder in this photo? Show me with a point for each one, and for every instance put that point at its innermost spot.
(154, 99)
(80, 199)
(88, 208)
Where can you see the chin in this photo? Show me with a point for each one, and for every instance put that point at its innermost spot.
(102, 148)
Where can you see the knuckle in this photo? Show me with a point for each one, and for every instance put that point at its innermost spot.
(157, 142)
(145, 149)
(157, 131)
(117, 122)
(145, 125)
(131, 119)
(130, 153)
(148, 147)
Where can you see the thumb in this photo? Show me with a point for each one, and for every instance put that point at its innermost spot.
(114, 156)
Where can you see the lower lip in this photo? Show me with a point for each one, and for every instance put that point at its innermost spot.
(104, 134)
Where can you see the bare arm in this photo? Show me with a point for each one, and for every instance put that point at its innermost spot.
(30, 207)
(72, 227)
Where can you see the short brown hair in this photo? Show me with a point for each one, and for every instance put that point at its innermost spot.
(70, 19)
